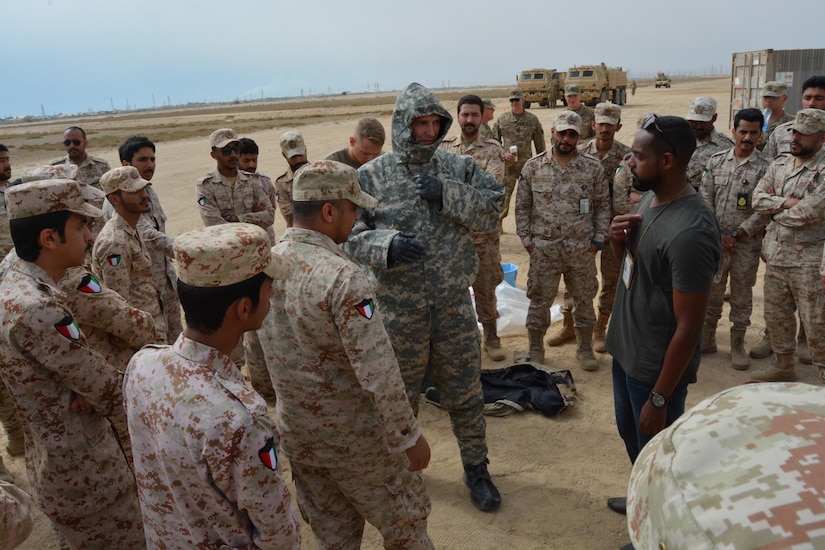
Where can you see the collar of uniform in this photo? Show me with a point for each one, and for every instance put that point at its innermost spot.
(240, 175)
(731, 156)
(31, 269)
(308, 236)
(813, 162)
(208, 356)
(550, 158)
(121, 224)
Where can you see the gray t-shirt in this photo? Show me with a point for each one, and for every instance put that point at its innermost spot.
(342, 155)
(680, 250)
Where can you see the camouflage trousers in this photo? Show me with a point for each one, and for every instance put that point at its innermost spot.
(489, 275)
(336, 501)
(511, 174)
(609, 267)
(786, 290)
(8, 413)
(548, 262)
(739, 266)
(445, 341)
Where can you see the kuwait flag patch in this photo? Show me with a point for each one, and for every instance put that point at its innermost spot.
(267, 454)
(113, 259)
(68, 328)
(366, 307)
(89, 284)
(202, 201)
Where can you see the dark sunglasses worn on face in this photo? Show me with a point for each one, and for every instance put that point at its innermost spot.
(75, 142)
(652, 123)
(514, 100)
(228, 150)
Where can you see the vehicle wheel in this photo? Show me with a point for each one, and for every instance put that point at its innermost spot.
(544, 104)
(526, 104)
(603, 96)
(623, 99)
(668, 85)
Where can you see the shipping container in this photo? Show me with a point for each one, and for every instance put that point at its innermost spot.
(750, 71)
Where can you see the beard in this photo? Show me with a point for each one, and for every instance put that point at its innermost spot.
(647, 184)
(470, 130)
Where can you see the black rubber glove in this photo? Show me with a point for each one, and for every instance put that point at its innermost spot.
(429, 188)
(404, 249)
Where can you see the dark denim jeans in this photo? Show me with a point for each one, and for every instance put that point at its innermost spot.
(629, 396)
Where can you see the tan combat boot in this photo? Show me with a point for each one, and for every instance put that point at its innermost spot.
(536, 351)
(709, 341)
(566, 334)
(599, 331)
(492, 343)
(781, 370)
(738, 359)
(584, 349)
(763, 348)
(803, 353)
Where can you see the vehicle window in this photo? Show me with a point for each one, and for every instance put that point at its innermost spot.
(538, 77)
(526, 76)
(574, 74)
(588, 74)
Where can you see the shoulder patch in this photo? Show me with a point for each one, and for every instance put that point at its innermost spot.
(89, 284)
(267, 454)
(68, 328)
(113, 259)
(366, 307)
(201, 201)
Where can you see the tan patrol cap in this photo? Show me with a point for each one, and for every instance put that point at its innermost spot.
(607, 113)
(66, 171)
(702, 109)
(223, 137)
(568, 120)
(327, 180)
(572, 89)
(292, 143)
(122, 178)
(225, 254)
(516, 94)
(46, 196)
(809, 121)
(774, 89)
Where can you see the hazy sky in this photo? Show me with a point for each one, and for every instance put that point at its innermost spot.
(81, 55)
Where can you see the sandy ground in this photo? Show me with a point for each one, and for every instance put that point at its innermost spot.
(554, 474)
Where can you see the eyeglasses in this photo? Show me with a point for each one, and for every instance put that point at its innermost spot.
(515, 100)
(75, 142)
(652, 123)
(228, 150)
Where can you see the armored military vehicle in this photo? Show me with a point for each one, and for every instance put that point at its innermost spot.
(662, 81)
(542, 86)
(599, 83)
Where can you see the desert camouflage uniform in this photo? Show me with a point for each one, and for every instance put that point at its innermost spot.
(6, 243)
(518, 130)
(425, 305)
(622, 186)
(766, 136)
(548, 216)
(609, 265)
(728, 186)
(78, 474)
(342, 408)
(121, 262)
(488, 154)
(780, 141)
(739, 470)
(247, 199)
(89, 171)
(16, 521)
(588, 115)
(205, 453)
(714, 143)
(793, 249)
(283, 194)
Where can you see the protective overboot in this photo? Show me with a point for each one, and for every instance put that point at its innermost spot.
(709, 341)
(599, 332)
(781, 370)
(536, 346)
(803, 353)
(738, 359)
(763, 348)
(566, 334)
(584, 349)
(492, 343)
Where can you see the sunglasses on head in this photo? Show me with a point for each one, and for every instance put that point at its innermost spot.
(652, 123)
(75, 142)
(229, 149)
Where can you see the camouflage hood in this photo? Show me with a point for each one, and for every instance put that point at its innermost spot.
(414, 101)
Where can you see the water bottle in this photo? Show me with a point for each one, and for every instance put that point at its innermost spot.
(767, 114)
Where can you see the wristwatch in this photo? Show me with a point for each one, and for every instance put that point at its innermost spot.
(658, 400)
(735, 234)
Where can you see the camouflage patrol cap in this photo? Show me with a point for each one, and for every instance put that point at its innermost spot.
(46, 196)
(327, 180)
(568, 120)
(745, 468)
(66, 171)
(644, 117)
(572, 89)
(702, 109)
(488, 104)
(122, 178)
(774, 89)
(607, 113)
(809, 121)
(516, 94)
(225, 254)
(292, 143)
(223, 137)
